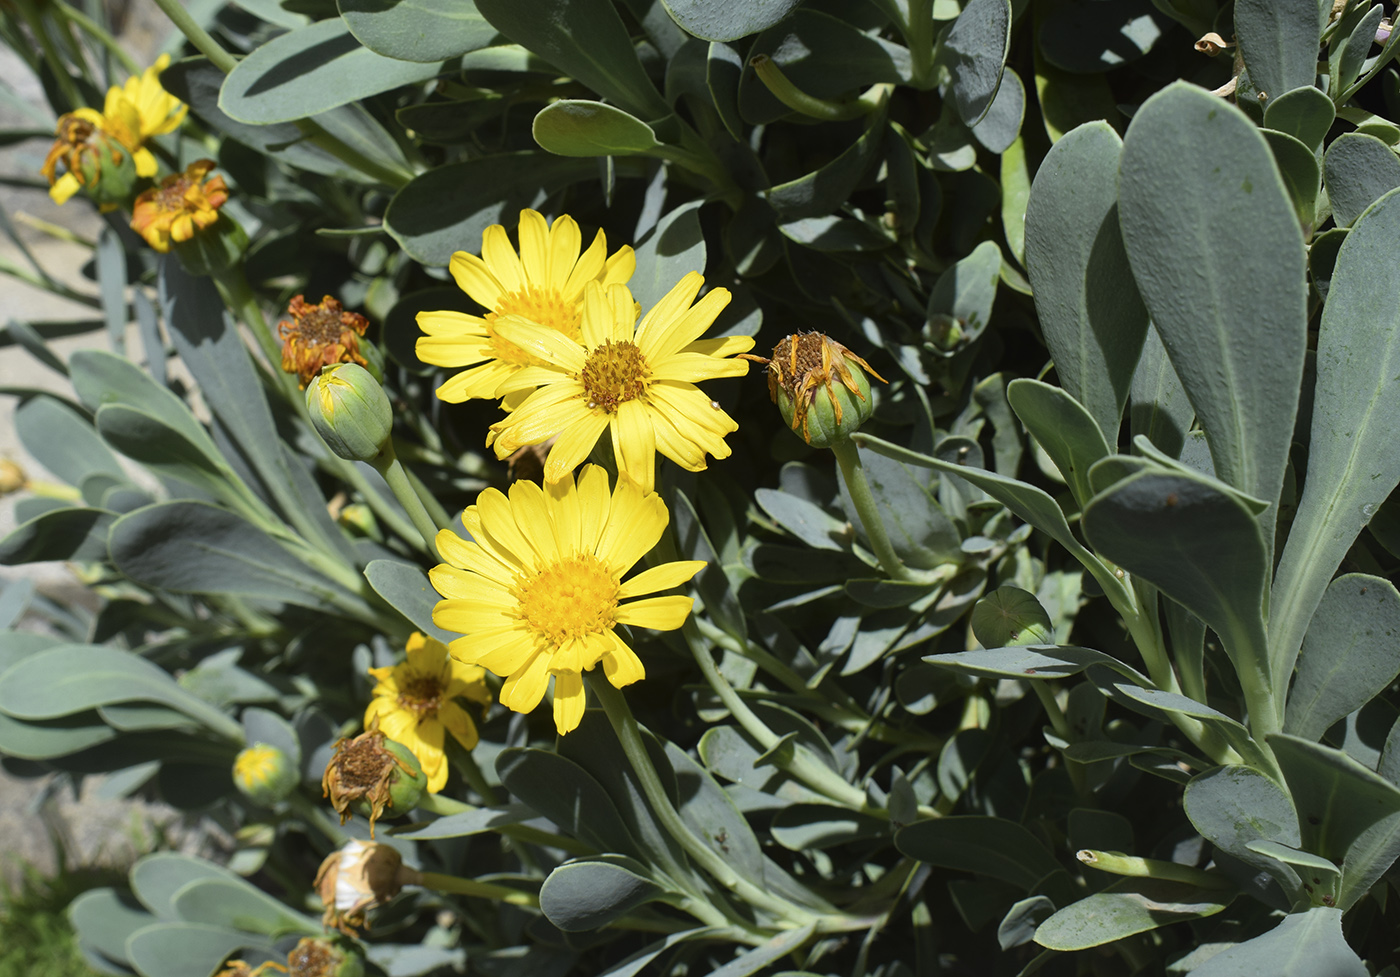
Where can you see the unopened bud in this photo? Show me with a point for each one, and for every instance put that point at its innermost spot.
(265, 774)
(351, 412)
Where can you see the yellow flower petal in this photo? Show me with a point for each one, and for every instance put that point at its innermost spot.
(658, 613)
(590, 265)
(634, 443)
(668, 336)
(64, 187)
(459, 723)
(501, 258)
(473, 277)
(622, 666)
(569, 701)
(525, 687)
(534, 236)
(662, 577)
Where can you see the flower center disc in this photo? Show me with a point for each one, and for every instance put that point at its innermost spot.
(319, 326)
(613, 374)
(572, 598)
(421, 695)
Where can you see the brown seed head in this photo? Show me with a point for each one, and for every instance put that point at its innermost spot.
(364, 769)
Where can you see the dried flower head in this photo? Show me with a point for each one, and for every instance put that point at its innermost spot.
(319, 335)
(93, 158)
(313, 957)
(183, 203)
(805, 364)
(358, 878)
(373, 771)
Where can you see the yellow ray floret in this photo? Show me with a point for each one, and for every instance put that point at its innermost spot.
(542, 283)
(538, 591)
(415, 703)
(636, 380)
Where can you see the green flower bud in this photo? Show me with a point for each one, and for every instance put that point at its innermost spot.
(823, 397)
(265, 774)
(350, 412)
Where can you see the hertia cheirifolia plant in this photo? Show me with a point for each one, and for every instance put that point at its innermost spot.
(1033, 611)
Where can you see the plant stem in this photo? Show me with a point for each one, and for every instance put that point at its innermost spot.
(848, 459)
(481, 890)
(800, 764)
(197, 35)
(629, 735)
(389, 466)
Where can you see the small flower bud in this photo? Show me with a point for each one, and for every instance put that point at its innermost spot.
(265, 774)
(358, 878)
(805, 365)
(12, 477)
(370, 773)
(313, 957)
(350, 411)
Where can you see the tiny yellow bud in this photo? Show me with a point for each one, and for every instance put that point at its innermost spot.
(265, 774)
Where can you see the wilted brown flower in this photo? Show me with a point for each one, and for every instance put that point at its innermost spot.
(313, 957)
(373, 770)
(358, 878)
(183, 203)
(93, 157)
(801, 367)
(318, 336)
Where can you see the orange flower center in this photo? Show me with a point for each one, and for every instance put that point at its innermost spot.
(171, 195)
(421, 695)
(613, 374)
(574, 597)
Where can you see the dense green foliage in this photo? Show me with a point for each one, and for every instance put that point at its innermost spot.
(1078, 658)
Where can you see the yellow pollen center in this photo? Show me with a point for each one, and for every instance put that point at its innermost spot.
(613, 374)
(255, 764)
(421, 695)
(570, 599)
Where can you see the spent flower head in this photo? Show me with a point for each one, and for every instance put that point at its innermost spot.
(358, 878)
(93, 158)
(319, 335)
(636, 380)
(543, 284)
(182, 204)
(806, 366)
(538, 590)
(316, 957)
(371, 772)
(415, 703)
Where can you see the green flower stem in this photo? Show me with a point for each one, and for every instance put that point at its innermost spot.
(628, 733)
(481, 890)
(853, 472)
(389, 466)
(436, 512)
(782, 88)
(95, 30)
(197, 35)
(800, 764)
(1116, 863)
(1060, 724)
(446, 807)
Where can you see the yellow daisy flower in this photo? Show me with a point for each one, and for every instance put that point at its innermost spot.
(140, 109)
(638, 382)
(543, 283)
(539, 590)
(415, 702)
